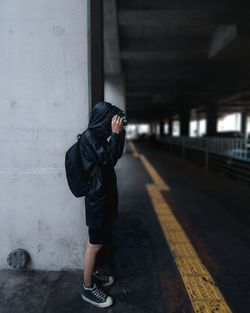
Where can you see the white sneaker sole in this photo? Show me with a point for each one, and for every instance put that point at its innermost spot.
(106, 304)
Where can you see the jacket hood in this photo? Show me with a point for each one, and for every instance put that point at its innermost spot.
(101, 116)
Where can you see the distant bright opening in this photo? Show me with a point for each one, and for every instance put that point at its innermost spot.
(166, 128)
(158, 129)
(135, 130)
(197, 128)
(229, 122)
(176, 128)
(248, 125)
(193, 128)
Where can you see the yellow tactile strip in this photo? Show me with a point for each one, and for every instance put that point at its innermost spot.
(133, 148)
(201, 288)
(191, 266)
(204, 295)
(159, 182)
(210, 307)
(151, 170)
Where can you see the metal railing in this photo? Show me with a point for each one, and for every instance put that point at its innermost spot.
(231, 155)
(231, 147)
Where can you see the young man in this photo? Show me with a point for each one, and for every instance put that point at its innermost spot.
(101, 202)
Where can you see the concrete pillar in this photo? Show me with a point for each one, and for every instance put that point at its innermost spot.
(44, 93)
(170, 125)
(153, 128)
(96, 51)
(162, 122)
(211, 116)
(184, 122)
(114, 90)
(244, 122)
(198, 121)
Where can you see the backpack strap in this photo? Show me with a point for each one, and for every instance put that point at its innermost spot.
(92, 173)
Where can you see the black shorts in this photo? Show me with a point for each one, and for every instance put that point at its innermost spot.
(100, 235)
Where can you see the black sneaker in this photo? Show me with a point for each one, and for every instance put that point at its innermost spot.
(102, 279)
(96, 296)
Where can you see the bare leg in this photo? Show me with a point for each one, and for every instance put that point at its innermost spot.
(89, 262)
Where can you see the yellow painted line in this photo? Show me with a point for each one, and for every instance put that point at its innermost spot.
(193, 267)
(161, 184)
(134, 150)
(204, 295)
(210, 307)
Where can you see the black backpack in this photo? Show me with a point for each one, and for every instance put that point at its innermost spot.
(78, 178)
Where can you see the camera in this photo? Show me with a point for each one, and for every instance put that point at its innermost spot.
(124, 119)
(120, 113)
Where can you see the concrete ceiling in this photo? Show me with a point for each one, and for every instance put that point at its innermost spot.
(178, 54)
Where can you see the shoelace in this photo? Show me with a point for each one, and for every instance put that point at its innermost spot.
(98, 293)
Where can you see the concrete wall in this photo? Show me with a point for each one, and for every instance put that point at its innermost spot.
(114, 90)
(44, 98)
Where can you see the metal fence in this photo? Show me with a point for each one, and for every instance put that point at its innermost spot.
(231, 155)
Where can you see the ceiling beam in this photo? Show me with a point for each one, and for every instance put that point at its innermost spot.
(187, 4)
(177, 17)
(236, 97)
(163, 55)
(163, 17)
(163, 43)
(223, 36)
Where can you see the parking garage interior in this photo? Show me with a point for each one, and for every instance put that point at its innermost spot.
(185, 72)
(180, 70)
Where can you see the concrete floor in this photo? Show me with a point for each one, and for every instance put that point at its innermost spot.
(211, 208)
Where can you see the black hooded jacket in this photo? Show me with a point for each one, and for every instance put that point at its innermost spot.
(101, 202)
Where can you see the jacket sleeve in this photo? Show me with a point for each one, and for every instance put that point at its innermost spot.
(122, 136)
(107, 153)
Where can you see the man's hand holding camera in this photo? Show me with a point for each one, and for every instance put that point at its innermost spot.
(117, 124)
